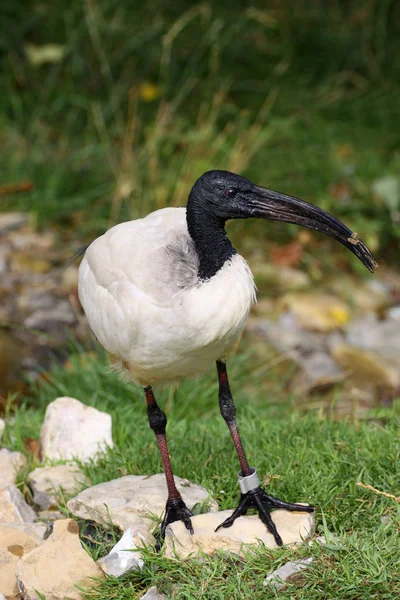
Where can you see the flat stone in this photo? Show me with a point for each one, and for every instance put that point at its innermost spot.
(73, 430)
(153, 594)
(380, 337)
(13, 508)
(278, 577)
(2, 427)
(12, 220)
(317, 311)
(11, 464)
(61, 312)
(134, 499)
(47, 481)
(58, 566)
(319, 369)
(293, 527)
(286, 335)
(125, 556)
(15, 541)
(366, 367)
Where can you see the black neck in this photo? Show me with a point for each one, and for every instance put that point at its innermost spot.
(209, 236)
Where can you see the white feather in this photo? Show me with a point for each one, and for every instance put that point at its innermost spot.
(139, 289)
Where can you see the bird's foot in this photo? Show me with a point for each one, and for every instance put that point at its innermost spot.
(259, 499)
(176, 510)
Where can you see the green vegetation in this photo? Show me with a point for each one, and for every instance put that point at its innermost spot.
(140, 98)
(306, 457)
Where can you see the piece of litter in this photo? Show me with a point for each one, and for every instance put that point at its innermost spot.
(277, 579)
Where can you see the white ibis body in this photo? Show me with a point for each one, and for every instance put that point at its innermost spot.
(168, 295)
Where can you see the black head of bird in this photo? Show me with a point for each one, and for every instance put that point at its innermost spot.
(220, 195)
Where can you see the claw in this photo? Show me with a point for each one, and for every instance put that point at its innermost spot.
(263, 503)
(176, 510)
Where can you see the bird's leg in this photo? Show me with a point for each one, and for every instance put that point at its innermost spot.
(175, 509)
(252, 495)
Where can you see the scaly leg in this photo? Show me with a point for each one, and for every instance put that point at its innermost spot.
(252, 495)
(175, 509)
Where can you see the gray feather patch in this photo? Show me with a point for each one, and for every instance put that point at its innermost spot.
(183, 262)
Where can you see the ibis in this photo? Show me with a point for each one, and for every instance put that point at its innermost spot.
(167, 296)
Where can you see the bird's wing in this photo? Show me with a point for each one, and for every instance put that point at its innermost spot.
(134, 271)
(154, 254)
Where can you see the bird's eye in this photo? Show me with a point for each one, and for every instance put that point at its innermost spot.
(230, 193)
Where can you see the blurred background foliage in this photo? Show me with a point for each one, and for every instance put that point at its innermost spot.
(111, 110)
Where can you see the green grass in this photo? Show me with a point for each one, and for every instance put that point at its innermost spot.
(312, 459)
(301, 97)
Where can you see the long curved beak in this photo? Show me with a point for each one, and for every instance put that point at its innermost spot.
(268, 204)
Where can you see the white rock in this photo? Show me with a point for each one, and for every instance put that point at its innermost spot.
(58, 567)
(11, 464)
(394, 313)
(2, 427)
(15, 541)
(278, 577)
(293, 527)
(13, 508)
(125, 555)
(134, 499)
(153, 594)
(47, 481)
(73, 430)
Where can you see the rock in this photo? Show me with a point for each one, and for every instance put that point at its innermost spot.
(286, 335)
(125, 555)
(61, 312)
(47, 481)
(153, 594)
(278, 577)
(365, 367)
(2, 427)
(380, 337)
(35, 300)
(73, 430)
(319, 370)
(11, 464)
(13, 508)
(12, 220)
(15, 541)
(58, 566)
(306, 349)
(28, 239)
(293, 527)
(133, 499)
(394, 313)
(317, 311)
(371, 296)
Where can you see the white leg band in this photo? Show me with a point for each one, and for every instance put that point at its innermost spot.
(248, 483)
